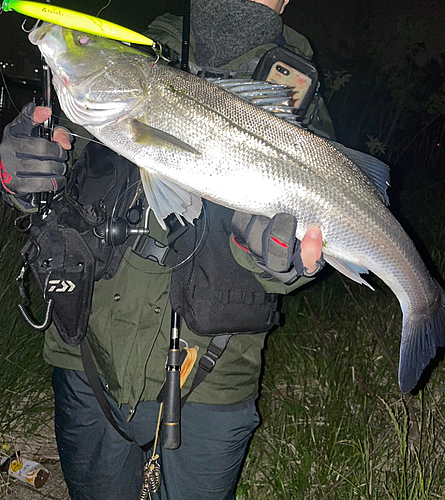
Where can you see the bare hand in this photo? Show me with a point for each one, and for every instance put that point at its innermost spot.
(311, 248)
(60, 134)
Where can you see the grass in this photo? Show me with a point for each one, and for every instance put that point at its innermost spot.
(335, 424)
(25, 401)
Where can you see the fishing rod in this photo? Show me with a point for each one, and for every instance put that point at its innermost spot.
(171, 426)
(43, 200)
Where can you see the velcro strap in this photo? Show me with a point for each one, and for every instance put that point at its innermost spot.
(278, 242)
(248, 230)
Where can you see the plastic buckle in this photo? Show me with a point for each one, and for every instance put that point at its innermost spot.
(208, 361)
(148, 248)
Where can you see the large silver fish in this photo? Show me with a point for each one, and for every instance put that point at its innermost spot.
(193, 139)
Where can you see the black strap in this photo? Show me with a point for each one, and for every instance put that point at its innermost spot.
(207, 362)
(93, 378)
(185, 37)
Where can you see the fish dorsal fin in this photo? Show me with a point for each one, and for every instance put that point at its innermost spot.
(166, 197)
(376, 170)
(350, 270)
(144, 134)
(269, 96)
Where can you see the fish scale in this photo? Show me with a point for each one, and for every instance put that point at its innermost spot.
(193, 139)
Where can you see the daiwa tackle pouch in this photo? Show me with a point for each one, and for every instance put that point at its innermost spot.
(67, 252)
(279, 65)
(63, 265)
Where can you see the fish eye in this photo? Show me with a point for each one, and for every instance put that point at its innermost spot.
(84, 40)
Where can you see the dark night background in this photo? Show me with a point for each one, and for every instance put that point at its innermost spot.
(382, 66)
(340, 32)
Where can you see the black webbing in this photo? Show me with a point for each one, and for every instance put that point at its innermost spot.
(93, 378)
(207, 362)
(185, 37)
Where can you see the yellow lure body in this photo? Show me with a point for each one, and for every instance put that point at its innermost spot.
(75, 20)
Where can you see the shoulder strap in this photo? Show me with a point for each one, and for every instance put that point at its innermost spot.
(93, 378)
(96, 385)
(207, 362)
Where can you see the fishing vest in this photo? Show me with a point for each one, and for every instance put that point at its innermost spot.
(88, 230)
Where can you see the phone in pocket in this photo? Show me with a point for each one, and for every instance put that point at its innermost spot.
(281, 66)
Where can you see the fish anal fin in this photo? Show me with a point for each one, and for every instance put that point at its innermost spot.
(350, 270)
(150, 136)
(166, 197)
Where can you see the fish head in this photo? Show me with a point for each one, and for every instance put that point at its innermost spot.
(97, 80)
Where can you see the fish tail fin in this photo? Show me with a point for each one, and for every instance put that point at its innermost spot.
(423, 333)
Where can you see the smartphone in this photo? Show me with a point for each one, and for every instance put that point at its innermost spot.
(282, 66)
(298, 83)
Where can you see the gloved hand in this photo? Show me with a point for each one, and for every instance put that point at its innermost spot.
(29, 163)
(274, 248)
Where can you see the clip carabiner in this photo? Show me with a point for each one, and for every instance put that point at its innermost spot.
(18, 221)
(23, 307)
(28, 317)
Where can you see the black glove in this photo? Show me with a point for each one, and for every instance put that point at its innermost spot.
(272, 245)
(29, 163)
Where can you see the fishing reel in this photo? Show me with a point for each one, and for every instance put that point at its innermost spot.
(116, 231)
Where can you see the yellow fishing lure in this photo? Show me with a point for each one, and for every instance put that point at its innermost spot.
(75, 20)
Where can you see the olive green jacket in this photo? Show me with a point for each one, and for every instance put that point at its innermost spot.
(129, 325)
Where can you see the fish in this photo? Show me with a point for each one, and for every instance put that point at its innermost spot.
(195, 139)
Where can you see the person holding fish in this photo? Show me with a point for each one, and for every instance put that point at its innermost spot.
(227, 270)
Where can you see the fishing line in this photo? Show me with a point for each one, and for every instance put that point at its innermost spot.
(103, 8)
(7, 91)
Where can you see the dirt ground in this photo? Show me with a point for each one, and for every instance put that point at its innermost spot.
(40, 448)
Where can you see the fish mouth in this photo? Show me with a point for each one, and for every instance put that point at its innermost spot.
(50, 41)
(37, 35)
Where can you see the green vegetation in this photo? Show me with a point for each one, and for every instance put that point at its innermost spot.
(25, 396)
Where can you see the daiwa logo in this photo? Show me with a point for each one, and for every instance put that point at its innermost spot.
(6, 178)
(61, 286)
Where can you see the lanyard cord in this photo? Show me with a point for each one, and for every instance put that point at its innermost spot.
(185, 38)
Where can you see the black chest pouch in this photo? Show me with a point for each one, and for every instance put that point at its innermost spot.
(209, 290)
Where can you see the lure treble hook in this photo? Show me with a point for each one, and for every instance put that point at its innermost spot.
(36, 24)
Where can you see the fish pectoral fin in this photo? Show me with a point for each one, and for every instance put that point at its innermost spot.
(153, 137)
(376, 170)
(350, 270)
(166, 197)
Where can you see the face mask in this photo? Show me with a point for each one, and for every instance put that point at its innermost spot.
(227, 29)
